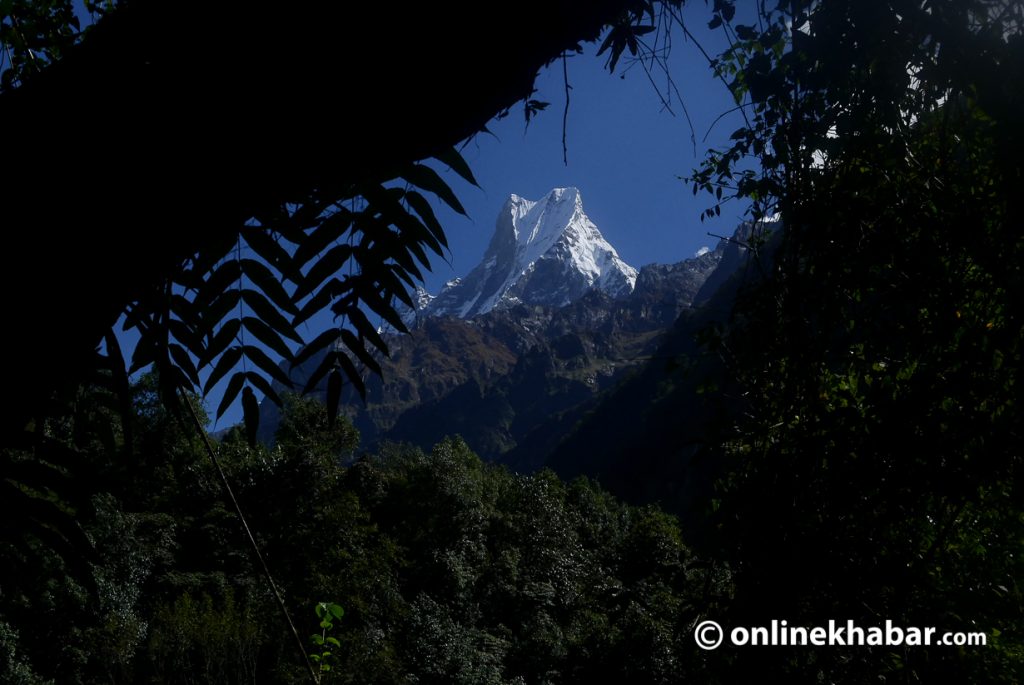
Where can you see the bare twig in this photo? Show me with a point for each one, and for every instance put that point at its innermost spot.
(722, 116)
(565, 112)
(666, 99)
(679, 20)
(730, 240)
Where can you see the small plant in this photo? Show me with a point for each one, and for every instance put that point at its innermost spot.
(327, 612)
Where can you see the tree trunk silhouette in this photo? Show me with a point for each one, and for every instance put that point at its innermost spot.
(164, 131)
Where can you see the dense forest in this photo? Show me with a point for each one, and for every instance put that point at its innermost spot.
(447, 570)
(856, 452)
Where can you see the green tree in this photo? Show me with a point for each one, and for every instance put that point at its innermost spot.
(302, 205)
(306, 427)
(873, 473)
(283, 211)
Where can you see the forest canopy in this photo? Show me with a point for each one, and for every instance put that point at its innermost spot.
(447, 569)
(866, 454)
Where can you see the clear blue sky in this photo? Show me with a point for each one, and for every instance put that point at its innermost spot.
(625, 154)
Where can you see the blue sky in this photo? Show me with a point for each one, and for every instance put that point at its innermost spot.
(625, 154)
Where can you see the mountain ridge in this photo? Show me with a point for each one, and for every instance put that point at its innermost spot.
(543, 252)
(502, 378)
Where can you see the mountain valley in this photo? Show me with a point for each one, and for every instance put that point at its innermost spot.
(516, 354)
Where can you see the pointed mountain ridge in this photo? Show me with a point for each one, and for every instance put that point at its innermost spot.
(545, 252)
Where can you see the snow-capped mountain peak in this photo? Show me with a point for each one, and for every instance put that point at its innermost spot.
(542, 252)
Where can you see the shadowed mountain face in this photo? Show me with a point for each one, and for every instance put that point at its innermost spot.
(514, 379)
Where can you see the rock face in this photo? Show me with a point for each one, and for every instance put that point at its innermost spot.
(543, 253)
(546, 323)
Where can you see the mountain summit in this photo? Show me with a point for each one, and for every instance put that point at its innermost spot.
(514, 380)
(546, 252)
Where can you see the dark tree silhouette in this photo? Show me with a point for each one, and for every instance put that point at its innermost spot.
(161, 134)
(140, 157)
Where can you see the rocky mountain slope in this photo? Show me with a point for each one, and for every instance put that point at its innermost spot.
(550, 320)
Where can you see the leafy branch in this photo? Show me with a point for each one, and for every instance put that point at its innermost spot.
(327, 612)
(236, 309)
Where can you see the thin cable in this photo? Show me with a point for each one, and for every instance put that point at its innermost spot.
(252, 540)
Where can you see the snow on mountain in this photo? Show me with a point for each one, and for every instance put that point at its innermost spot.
(544, 252)
(422, 299)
